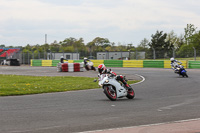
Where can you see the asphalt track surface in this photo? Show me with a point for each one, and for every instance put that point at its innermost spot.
(163, 97)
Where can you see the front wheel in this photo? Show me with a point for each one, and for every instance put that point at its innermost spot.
(184, 74)
(110, 93)
(131, 94)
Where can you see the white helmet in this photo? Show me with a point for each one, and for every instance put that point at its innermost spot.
(172, 59)
(85, 58)
(61, 57)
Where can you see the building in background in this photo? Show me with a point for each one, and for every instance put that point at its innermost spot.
(68, 56)
(120, 55)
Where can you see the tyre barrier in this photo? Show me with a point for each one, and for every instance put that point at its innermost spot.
(70, 67)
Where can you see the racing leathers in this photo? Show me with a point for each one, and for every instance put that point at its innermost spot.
(118, 77)
(85, 60)
(175, 65)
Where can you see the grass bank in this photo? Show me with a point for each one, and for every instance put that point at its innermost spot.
(25, 85)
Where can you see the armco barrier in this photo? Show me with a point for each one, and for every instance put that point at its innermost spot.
(36, 62)
(184, 63)
(46, 62)
(78, 61)
(55, 62)
(70, 61)
(167, 63)
(123, 63)
(97, 62)
(153, 64)
(113, 63)
(133, 63)
(194, 64)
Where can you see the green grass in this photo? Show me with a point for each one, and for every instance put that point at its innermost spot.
(24, 85)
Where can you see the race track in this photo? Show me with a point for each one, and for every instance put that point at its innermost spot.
(162, 97)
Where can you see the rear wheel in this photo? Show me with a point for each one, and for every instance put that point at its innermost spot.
(131, 94)
(93, 68)
(110, 93)
(86, 67)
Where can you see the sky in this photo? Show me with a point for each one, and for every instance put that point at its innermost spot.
(25, 22)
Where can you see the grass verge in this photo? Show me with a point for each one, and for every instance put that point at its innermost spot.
(25, 85)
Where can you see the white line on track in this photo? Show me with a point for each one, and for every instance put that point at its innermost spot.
(143, 79)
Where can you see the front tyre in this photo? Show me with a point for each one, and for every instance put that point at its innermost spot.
(110, 93)
(130, 94)
(185, 74)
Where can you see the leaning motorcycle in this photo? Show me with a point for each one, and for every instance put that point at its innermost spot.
(89, 66)
(181, 71)
(114, 89)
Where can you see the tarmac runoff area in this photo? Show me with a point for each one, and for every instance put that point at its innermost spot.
(184, 126)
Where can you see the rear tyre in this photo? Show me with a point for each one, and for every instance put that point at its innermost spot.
(110, 93)
(86, 67)
(93, 68)
(131, 94)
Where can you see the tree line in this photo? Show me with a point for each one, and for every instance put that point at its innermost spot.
(162, 43)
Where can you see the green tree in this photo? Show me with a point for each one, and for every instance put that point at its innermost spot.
(2, 46)
(195, 41)
(159, 44)
(185, 51)
(189, 31)
(143, 44)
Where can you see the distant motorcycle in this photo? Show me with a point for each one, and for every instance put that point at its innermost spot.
(89, 66)
(181, 71)
(114, 89)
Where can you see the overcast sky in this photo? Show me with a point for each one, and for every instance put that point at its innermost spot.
(25, 22)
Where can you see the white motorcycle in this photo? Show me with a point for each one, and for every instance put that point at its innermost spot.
(114, 89)
(89, 66)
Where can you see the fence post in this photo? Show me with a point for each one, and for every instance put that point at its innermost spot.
(33, 55)
(28, 59)
(23, 58)
(136, 53)
(154, 54)
(194, 53)
(174, 53)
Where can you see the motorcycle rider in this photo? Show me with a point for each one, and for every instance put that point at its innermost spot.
(88, 65)
(102, 70)
(174, 65)
(85, 60)
(62, 59)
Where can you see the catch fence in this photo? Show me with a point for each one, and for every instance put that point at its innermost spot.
(118, 56)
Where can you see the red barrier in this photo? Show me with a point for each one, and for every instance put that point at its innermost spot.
(76, 67)
(70, 67)
(65, 67)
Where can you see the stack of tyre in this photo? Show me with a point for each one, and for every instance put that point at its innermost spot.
(59, 67)
(65, 67)
(70, 67)
(76, 67)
